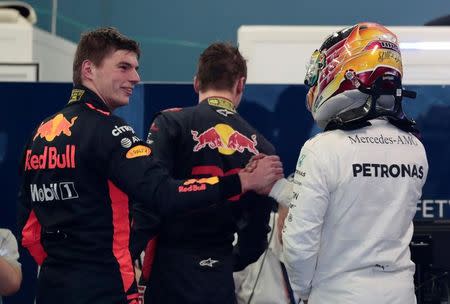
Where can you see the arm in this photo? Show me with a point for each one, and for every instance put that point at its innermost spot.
(160, 138)
(163, 136)
(10, 271)
(135, 171)
(303, 227)
(252, 233)
(29, 227)
(282, 192)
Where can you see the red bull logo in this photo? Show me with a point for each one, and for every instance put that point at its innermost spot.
(51, 159)
(239, 142)
(194, 185)
(55, 127)
(210, 137)
(225, 139)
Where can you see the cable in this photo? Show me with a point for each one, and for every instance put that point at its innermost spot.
(263, 260)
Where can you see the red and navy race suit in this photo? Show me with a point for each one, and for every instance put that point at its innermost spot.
(194, 258)
(81, 168)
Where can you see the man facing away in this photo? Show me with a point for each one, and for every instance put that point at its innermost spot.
(195, 259)
(83, 165)
(356, 186)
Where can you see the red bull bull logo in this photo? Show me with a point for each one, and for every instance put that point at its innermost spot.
(55, 127)
(210, 137)
(239, 142)
(225, 139)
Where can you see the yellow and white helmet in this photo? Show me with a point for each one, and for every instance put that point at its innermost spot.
(356, 71)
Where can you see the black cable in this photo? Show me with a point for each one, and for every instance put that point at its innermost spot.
(433, 279)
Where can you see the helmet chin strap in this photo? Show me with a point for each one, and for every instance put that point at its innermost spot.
(358, 117)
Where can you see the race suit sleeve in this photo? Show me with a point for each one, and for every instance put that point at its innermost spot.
(145, 223)
(303, 226)
(162, 138)
(134, 171)
(282, 192)
(252, 229)
(29, 235)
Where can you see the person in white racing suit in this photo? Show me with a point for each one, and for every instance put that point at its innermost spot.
(356, 186)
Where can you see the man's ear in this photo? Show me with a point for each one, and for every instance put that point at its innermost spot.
(196, 85)
(87, 69)
(240, 85)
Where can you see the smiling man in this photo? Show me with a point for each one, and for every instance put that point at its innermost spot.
(81, 168)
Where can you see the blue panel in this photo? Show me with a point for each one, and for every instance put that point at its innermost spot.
(133, 112)
(24, 106)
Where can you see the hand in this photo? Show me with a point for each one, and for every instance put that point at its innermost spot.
(253, 162)
(261, 177)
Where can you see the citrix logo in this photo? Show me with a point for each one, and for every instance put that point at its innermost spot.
(122, 129)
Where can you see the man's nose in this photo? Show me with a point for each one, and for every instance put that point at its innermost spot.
(135, 78)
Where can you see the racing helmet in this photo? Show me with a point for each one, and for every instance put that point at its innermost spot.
(355, 75)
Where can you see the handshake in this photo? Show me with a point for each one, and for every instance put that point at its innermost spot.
(261, 173)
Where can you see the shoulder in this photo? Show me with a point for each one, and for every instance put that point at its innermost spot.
(324, 140)
(6, 236)
(112, 124)
(112, 131)
(174, 114)
(8, 244)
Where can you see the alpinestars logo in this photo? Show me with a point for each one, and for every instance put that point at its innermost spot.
(208, 263)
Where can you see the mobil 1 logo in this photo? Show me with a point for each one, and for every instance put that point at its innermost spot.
(53, 192)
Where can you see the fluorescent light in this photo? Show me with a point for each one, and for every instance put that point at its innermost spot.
(429, 45)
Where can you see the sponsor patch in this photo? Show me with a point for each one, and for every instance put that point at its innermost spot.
(120, 130)
(225, 139)
(138, 151)
(300, 160)
(126, 142)
(208, 263)
(194, 185)
(386, 171)
(384, 140)
(55, 127)
(76, 95)
(389, 55)
(300, 173)
(51, 158)
(206, 180)
(53, 192)
(224, 112)
(222, 103)
(382, 44)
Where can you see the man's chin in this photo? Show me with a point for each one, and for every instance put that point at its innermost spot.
(125, 100)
